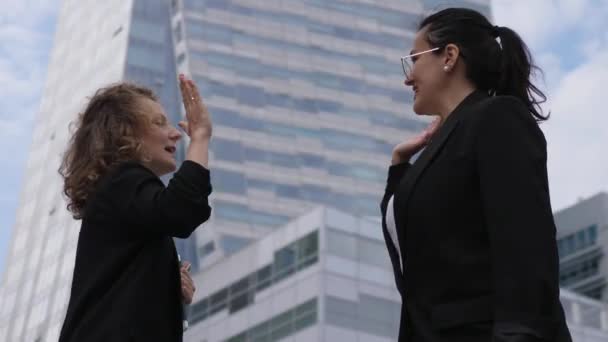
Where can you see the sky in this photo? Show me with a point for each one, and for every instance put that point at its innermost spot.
(568, 38)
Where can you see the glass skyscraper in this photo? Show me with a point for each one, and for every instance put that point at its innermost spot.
(307, 99)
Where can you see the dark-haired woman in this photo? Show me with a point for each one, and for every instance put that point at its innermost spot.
(128, 284)
(469, 225)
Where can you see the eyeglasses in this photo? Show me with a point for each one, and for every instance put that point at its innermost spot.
(407, 66)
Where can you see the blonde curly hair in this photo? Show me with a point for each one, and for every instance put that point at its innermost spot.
(105, 134)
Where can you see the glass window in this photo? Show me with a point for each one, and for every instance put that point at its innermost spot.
(231, 211)
(289, 191)
(232, 244)
(228, 181)
(278, 100)
(261, 184)
(266, 219)
(308, 246)
(592, 231)
(198, 310)
(218, 301)
(373, 253)
(581, 239)
(284, 262)
(282, 325)
(240, 302)
(314, 193)
(341, 244)
(264, 277)
(148, 31)
(378, 309)
(282, 159)
(228, 150)
(341, 312)
(242, 337)
(207, 249)
(310, 160)
(145, 57)
(260, 333)
(252, 96)
(570, 244)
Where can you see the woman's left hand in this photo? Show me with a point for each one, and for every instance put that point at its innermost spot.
(188, 287)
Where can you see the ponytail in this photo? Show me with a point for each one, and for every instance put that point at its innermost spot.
(497, 59)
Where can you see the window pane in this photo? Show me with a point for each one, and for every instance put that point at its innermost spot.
(308, 246)
(228, 150)
(264, 277)
(373, 253)
(284, 262)
(232, 244)
(341, 244)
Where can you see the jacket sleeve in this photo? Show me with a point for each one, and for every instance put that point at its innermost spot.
(151, 208)
(511, 158)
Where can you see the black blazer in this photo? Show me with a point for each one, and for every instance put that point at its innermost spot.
(126, 284)
(476, 231)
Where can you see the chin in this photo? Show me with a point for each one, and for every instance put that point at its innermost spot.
(420, 109)
(168, 168)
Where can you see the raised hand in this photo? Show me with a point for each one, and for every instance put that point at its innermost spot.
(198, 121)
(406, 149)
(188, 287)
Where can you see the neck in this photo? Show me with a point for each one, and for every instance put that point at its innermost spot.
(453, 98)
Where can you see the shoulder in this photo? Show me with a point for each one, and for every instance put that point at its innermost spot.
(499, 107)
(502, 113)
(125, 176)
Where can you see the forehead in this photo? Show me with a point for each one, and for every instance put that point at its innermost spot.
(420, 41)
(151, 108)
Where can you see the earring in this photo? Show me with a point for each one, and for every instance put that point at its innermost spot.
(446, 68)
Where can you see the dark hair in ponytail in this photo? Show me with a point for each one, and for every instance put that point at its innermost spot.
(500, 68)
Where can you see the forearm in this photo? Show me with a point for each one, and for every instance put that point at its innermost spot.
(198, 151)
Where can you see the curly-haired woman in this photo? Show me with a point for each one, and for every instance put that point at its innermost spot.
(128, 284)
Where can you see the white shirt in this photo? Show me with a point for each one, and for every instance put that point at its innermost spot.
(392, 229)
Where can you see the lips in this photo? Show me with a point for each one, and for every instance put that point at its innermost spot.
(170, 149)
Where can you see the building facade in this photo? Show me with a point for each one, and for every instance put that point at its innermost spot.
(307, 100)
(325, 276)
(582, 242)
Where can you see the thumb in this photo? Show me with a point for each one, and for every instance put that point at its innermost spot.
(186, 265)
(183, 125)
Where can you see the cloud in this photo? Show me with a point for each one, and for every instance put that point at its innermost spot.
(577, 134)
(570, 41)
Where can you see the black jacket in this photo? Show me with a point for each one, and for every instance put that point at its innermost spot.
(126, 284)
(476, 231)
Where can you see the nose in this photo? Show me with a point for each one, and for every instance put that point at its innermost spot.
(408, 82)
(175, 134)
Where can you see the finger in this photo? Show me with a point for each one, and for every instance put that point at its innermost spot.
(186, 98)
(187, 265)
(189, 89)
(183, 125)
(194, 91)
(182, 87)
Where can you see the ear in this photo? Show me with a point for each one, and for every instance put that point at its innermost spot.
(451, 55)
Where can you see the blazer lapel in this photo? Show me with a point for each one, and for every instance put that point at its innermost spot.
(404, 190)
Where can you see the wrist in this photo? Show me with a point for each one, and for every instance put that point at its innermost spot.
(200, 138)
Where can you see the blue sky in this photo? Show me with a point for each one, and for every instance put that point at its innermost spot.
(569, 39)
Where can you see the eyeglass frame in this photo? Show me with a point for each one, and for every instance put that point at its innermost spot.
(405, 64)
